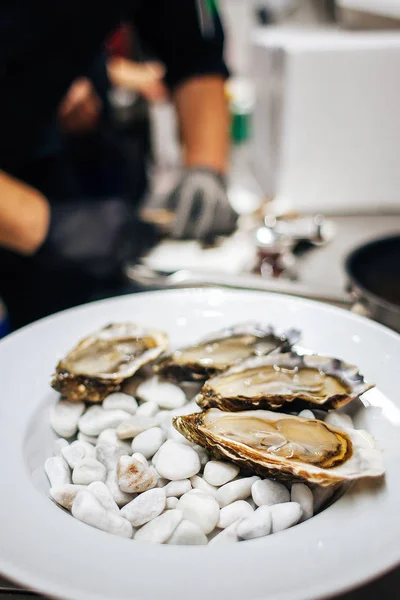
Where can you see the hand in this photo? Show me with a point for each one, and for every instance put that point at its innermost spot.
(144, 78)
(79, 111)
(199, 204)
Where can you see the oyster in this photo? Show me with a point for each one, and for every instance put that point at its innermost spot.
(101, 362)
(280, 379)
(222, 349)
(284, 446)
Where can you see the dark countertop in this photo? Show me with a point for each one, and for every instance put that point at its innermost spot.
(324, 265)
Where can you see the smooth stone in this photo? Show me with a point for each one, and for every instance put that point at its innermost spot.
(134, 476)
(91, 439)
(109, 436)
(103, 495)
(203, 454)
(268, 492)
(135, 425)
(57, 471)
(339, 420)
(139, 456)
(65, 494)
(145, 507)
(87, 508)
(285, 515)
(256, 525)
(321, 496)
(161, 528)
(173, 434)
(306, 414)
(165, 394)
(219, 473)
(302, 494)
(121, 498)
(58, 446)
(227, 536)
(109, 455)
(148, 442)
(64, 417)
(198, 483)
(233, 512)
(252, 503)
(88, 470)
(178, 488)
(235, 490)
(200, 508)
(171, 503)
(96, 419)
(119, 400)
(77, 451)
(176, 461)
(187, 534)
(147, 409)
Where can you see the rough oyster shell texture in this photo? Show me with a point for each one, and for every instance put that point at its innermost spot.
(284, 446)
(220, 350)
(101, 362)
(282, 380)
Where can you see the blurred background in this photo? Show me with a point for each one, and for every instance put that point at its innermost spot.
(313, 171)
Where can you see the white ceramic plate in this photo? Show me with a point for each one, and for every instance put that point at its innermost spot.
(43, 547)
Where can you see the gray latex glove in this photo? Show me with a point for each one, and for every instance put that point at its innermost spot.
(200, 205)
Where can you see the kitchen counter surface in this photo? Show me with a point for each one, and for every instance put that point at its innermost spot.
(318, 267)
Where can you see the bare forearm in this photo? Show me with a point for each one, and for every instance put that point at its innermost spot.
(24, 216)
(204, 122)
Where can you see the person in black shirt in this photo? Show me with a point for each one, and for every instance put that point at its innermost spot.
(60, 243)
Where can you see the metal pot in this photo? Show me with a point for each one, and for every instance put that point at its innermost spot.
(373, 271)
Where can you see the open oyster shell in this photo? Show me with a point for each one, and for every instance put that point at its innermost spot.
(102, 361)
(284, 446)
(284, 379)
(220, 350)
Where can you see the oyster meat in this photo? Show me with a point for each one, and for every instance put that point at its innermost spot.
(219, 351)
(101, 362)
(284, 446)
(284, 380)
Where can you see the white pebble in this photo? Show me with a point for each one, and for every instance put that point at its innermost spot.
(120, 497)
(64, 417)
(203, 454)
(252, 503)
(65, 494)
(321, 496)
(148, 442)
(233, 512)
(235, 490)
(109, 436)
(171, 503)
(135, 425)
(285, 515)
(109, 456)
(87, 508)
(104, 496)
(163, 393)
(256, 525)
(57, 471)
(200, 508)
(173, 434)
(178, 488)
(96, 419)
(302, 494)
(268, 492)
(339, 420)
(91, 439)
(187, 534)
(198, 483)
(58, 446)
(139, 456)
(119, 400)
(145, 507)
(76, 451)
(227, 536)
(218, 473)
(306, 414)
(177, 461)
(161, 528)
(88, 470)
(134, 476)
(147, 409)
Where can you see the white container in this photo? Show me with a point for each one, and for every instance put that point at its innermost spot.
(327, 119)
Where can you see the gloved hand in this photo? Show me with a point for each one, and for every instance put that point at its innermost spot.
(200, 205)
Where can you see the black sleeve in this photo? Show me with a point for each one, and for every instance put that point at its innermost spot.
(185, 35)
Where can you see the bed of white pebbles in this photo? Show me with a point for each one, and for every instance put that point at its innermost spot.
(122, 467)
